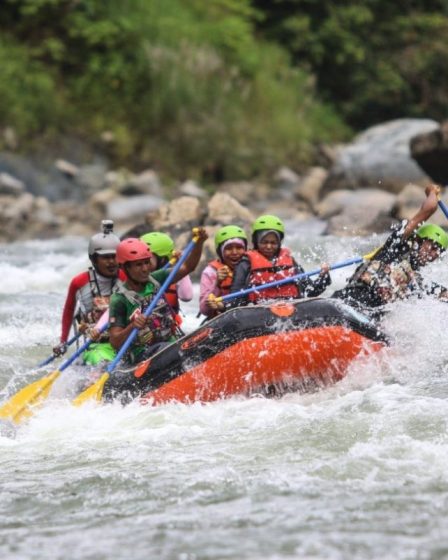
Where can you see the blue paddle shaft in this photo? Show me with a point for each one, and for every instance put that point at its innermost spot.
(444, 208)
(53, 356)
(152, 305)
(291, 279)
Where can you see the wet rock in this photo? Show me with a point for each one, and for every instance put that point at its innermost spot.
(148, 182)
(26, 216)
(409, 201)
(191, 188)
(430, 151)
(180, 214)
(309, 188)
(132, 208)
(91, 177)
(66, 168)
(286, 178)
(11, 185)
(357, 213)
(39, 178)
(224, 209)
(380, 157)
(246, 192)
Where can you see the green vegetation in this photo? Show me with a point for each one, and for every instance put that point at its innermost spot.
(217, 89)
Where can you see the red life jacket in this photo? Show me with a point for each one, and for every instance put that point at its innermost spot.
(264, 271)
(172, 299)
(224, 286)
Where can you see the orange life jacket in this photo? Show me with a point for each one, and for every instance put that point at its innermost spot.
(172, 299)
(264, 271)
(224, 286)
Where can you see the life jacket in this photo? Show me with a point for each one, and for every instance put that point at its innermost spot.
(224, 286)
(162, 325)
(172, 300)
(90, 312)
(390, 281)
(264, 271)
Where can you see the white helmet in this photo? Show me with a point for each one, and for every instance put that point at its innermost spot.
(104, 243)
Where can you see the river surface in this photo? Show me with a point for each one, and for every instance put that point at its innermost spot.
(355, 471)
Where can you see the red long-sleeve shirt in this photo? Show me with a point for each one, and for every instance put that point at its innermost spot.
(79, 291)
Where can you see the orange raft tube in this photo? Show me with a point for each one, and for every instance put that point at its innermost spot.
(268, 349)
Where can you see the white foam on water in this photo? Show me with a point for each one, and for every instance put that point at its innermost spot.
(356, 470)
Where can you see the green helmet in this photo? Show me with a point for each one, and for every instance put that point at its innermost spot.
(435, 234)
(159, 243)
(268, 222)
(229, 232)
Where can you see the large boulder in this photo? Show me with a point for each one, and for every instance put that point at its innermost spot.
(380, 157)
(179, 215)
(430, 151)
(224, 209)
(359, 212)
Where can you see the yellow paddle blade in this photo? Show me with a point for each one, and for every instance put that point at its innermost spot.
(19, 407)
(370, 255)
(94, 392)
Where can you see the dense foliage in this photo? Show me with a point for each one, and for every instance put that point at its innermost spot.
(217, 88)
(374, 59)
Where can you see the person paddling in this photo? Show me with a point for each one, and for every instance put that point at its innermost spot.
(132, 297)
(162, 247)
(217, 276)
(89, 294)
(268, 262)
(393, 272)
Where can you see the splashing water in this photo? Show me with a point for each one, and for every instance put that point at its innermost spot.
(357, 470)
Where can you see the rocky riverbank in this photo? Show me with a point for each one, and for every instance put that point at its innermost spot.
(356, 189)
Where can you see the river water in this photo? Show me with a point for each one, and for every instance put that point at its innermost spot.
(356, 471)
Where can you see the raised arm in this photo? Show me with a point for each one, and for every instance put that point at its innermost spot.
(426, 210)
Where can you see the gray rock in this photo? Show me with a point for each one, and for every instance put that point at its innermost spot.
(358, 213)
(380, 157)
(246, 192)
(286, 178)
(223, 209)
(178, 215)
(91, 177)
(11, 185)
(191, 188)
(409, 201)
(70, 170)
(40, 179)
(430, 151)
(132, 208)
(148, 182)
(309, 188)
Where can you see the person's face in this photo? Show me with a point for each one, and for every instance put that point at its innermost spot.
(269, 246)
(428, 252)
(139, 271)
(106, 265)
(232, 253)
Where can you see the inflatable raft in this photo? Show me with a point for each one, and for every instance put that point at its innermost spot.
(267, 349)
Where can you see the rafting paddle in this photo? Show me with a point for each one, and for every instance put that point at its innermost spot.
(19, 406)
(74, 338)
(444, 208)
(289, 280)
(95, 391)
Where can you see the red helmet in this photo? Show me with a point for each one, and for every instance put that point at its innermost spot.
(132, 249)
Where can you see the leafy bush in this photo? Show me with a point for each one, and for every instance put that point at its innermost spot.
(183, 85)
